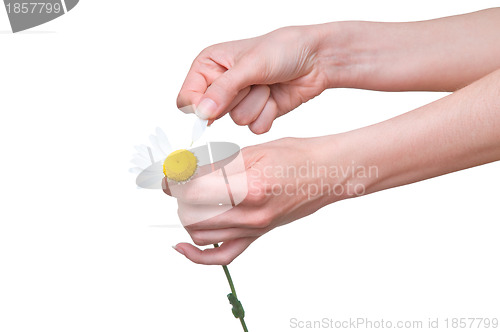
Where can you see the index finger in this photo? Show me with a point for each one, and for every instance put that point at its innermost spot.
(215, 188)
(201, 75)
(191, 92)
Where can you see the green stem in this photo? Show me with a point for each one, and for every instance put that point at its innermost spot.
(233, 290)
(243, 324)
(229, 279)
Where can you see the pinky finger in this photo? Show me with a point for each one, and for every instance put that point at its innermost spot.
(222, 255)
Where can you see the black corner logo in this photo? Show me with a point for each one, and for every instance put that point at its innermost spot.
(26, 14)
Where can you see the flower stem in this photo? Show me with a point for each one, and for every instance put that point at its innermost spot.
(233, 293)
(229, 279)
(243, 324)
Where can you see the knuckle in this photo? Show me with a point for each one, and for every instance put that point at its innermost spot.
(263, 220)
(207, 50)
(287, 34)
(256, 193)
(226, 260)
(205, 53)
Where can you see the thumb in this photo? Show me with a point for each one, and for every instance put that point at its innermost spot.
(221, 93)
(222, 255)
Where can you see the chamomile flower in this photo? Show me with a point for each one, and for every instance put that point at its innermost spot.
(158, 160)
(158, 166)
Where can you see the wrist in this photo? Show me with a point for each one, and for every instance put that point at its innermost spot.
(341, 169)
(345, 54)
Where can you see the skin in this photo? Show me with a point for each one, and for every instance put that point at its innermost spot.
(255, 81)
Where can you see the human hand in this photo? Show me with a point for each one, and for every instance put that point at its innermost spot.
(255, 80)
(282, 186)
(292, 178)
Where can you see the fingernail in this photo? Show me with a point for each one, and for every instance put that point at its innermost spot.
(179, 250)
(206, 109)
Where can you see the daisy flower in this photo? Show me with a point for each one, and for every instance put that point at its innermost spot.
(155, 161)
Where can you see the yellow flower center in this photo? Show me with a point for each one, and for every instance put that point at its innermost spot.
(180, 165)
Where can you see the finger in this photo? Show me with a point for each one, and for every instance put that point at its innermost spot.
(249, 109)
(241, 95)
(201, 74)
(212, 189)
(226, 177)
(164, 186)
(190, 214)
(234, 164)
(191, 92)
(222, 255)
(206, 190)
(240, 216)
(225, 88)
(228, 159)
(207, 237)
(265, 120)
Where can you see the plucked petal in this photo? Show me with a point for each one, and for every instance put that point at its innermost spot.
(199, 128)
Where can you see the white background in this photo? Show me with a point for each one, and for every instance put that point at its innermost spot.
(78, 246)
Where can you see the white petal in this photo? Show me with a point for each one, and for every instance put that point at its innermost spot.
(199, 128)
(151, 177)
(140, 162)
(142, 149)
(163, 141)
(135, 170)
(141, 156)
(158, 154)
(142, 152)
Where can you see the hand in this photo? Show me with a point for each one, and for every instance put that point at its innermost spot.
(283, 186)
(292, 178)
(255, 80)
